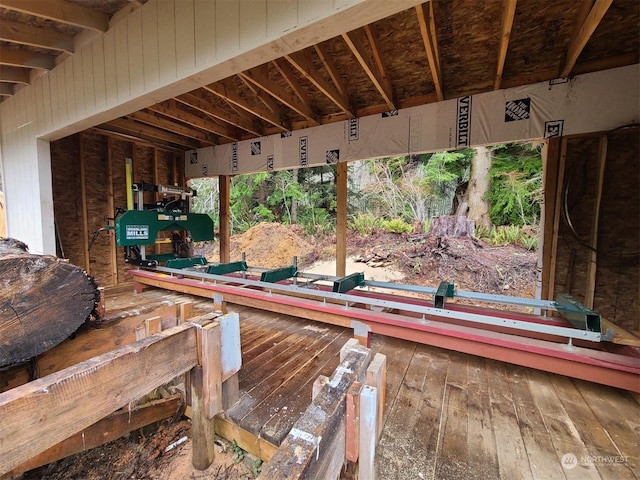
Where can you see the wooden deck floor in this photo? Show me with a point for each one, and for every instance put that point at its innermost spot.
(448, 415)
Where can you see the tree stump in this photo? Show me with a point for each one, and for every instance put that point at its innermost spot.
(43, 300)
(452, 226)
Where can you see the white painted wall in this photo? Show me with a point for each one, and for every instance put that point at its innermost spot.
(163, 49)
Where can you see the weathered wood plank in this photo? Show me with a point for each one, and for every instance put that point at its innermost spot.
(512, 454)
(368, 434)
(322, 421)
(36, 416)
(106, 430)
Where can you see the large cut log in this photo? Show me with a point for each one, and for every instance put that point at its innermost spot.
(452, 226)
(43, 300)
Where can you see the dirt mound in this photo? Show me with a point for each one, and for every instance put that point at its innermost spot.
(271, 245)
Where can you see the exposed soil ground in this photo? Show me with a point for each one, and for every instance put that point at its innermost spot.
(416, 259)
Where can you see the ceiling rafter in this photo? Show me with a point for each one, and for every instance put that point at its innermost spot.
(226, 90)
(130, 126)
(15, 57)
(285, 69)
(303, 63)
(14, 75)
(426, 19)
(61, 11)
(508, 14)
(262, 96)
(583, 34)
(154, 120)
(35, 37)
(260, 80)
(330, 67)
(355, 42)
(198, 102)
(172, 110)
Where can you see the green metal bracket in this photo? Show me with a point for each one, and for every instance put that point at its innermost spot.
(445, 289)
(225, 268)
(580, 316)
(185, 262)
(273, 276)
(343, 285)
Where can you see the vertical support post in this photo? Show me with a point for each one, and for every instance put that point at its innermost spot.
(377, 377)
(112, 213)
(231, 359)
(553, 254)
(368, 433)
(352, 449)
(83, 200)
(341, 219)
(224, 190)
(206, 394)
(592, 266)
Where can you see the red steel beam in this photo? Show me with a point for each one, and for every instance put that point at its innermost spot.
(603, 367)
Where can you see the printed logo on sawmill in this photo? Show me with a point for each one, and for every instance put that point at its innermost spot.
(256, 148)
(463, 122)
(234, 157)
(332, 156)
(286, 134)
(553, 128)
(354, 129)
(515, 110)
(304, 158)
(390, 113)
(137, 232)
(269, 162)
(193, 158)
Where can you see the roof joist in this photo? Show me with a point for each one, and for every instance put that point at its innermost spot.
(508, 13)
(61, 11)
(426, 20)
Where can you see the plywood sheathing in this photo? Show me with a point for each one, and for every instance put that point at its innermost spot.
(617, 273)
(105, 190)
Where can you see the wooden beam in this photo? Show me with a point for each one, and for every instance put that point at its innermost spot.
(428, 32)
(303, 63)
(355, 42)
(42, 413)
(170, 109)
(199, 102)
(150, 118)
(330, 66)
(508, 13)
(352, 448)
(551, 160)
(145, 132)
(111, 428)
(311, 441)
(341, 218)
(14, 75)
(368, 431)
(226, 90)
(224, 227)
(15, 57)
(61, 11)
(35, 37)
(288, 73)
(583, 34)
(553, 259)
(592, 265)
(6, 89)
(377, 377)
(83, 206)
(111, 205)
(260, 80)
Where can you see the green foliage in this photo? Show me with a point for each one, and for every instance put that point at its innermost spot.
(396, 225)
(515, 188)
(365, 223)
(509, 234)
(238, 453)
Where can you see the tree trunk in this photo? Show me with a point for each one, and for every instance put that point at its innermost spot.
(451, 226)
(43, 300)
(478, 188)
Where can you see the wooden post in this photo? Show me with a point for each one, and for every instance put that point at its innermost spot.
(553, 253)
(341, 219)
(83, 199)
(368, 432)
(112, 213)
(231, 358)
(353, 422)
(224, 190)
(592, 266)
(377, 377)
(206, 394)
